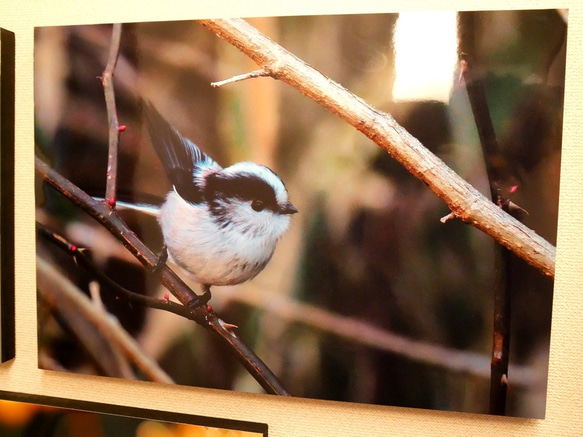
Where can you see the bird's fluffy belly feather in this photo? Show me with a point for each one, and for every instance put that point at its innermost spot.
(192, 244)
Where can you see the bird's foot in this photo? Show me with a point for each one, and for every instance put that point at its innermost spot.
(202, 299)
(162, 258)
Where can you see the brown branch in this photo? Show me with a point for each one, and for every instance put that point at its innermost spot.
(465, 202)
(202, 314)
(114, 224)
(499, 178)
(112, 119)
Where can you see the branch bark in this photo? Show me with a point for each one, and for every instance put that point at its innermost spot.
(109, 91)
(465, 202)
(80, 257)
(499, 176)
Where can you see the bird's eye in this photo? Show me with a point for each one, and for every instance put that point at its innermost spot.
(258, 205)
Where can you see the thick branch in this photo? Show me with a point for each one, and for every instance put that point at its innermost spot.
(465, 202)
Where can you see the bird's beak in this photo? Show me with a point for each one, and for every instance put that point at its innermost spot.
(287, 208)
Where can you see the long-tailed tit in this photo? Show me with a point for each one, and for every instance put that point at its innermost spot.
(220, 225)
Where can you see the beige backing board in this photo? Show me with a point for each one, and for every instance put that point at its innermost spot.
(292, 416)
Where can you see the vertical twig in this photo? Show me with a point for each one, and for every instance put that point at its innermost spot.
(501, 332)
(498, 177)
(112, 120)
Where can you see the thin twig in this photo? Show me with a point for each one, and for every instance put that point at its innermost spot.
(499, 366)
(79, 255)
(112, 119)
(498, 176)
(502, 280)
(466, 203)
(447, 217)
(251, 75)
(114, 224)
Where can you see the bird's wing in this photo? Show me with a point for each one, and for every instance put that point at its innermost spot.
(180, 156)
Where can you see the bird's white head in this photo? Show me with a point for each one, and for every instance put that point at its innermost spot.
(250, 198)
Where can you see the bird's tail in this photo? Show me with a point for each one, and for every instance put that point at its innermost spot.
(144, 208)
(151, 210)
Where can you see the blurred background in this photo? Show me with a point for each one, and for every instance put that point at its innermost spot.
(369, 297)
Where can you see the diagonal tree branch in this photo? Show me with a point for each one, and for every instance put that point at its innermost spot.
(80, 257)
(202, 314)
(465, 202)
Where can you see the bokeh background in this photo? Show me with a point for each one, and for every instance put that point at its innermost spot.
(367, 277)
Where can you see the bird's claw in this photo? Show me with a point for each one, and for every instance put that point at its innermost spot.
(162, 258)
(202, 299)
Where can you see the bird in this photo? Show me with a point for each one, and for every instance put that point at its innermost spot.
(219, 225)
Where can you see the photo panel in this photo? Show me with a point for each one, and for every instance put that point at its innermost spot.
(377, 290)
(23, 415)
(6, 195)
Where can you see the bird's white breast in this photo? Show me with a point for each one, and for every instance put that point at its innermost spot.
(214, 255)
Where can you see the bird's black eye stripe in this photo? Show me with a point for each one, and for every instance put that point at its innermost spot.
(244, 186)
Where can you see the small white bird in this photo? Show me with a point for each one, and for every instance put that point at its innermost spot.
(220, 225)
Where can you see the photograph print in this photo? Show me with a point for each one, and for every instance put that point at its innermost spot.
(331, 207)
(7, 59)
(26, 415)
